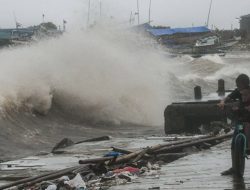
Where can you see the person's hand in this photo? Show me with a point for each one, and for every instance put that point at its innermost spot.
(247, 108)
(235, 108)
(221, 105)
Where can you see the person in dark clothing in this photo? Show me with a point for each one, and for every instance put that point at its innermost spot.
(242, 110)
(242, 82)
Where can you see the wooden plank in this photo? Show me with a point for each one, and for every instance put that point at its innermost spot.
(27, 180)
(102, 138)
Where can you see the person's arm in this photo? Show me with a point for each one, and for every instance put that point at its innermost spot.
(247, 108)
(232, 96)
(222, 102)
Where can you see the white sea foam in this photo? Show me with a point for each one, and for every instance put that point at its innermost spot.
(112, 74)
(213, 58)
(106, 74)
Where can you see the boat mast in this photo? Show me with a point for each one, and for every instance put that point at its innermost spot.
(88, 14)
(209, 12)
(43, 17)
(130, 18)
(138, 12)
(16, 23)
(100, 8)
(149, 12)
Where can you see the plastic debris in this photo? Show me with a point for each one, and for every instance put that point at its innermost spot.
(108, 176)
(51, 187)
(127, 169)
(63, 178)
(77, 183)
(114, 154)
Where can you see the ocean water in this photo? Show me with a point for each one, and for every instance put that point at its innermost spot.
(92, 82)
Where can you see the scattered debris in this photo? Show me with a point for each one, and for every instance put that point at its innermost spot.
(68, 142)
(115, 168)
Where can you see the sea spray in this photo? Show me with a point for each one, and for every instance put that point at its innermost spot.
(99, 74)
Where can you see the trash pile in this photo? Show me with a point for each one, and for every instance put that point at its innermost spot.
(114, 168)
(90, 177)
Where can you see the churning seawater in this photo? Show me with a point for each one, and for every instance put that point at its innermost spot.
(98, 78)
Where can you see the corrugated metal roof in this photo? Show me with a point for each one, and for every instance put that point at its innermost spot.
(162, 32)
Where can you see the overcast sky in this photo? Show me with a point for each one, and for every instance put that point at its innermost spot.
(174, 13)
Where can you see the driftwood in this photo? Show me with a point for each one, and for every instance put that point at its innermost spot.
(139, 156)
(103, 138)
(46, 176)
(118, 160)
(152, 150)
(205, 145)
(96, 160)
(68, 142)
(81, 169)
(170, 146)
(49, 177)
(183, 145)
(149, 150)
(128, 157)
(170, 156)
(123, 151)
(159, 146)
(13, 178)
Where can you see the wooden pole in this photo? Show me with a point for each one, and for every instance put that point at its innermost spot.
(165, 149)
(88, 14)
(197, 93)
(102, 138)
(209, 13)
(138, 12)
(159, 146)
(96, 160)
(221, 87)
(123, 151)
(149, 12)
(100, 8)
(30, 179)
(48, 177)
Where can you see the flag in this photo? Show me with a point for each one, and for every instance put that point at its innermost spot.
(64, 21)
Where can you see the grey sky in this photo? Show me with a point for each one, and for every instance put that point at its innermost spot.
(174, 13)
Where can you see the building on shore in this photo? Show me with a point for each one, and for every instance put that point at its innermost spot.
(180, 36)
(245, 26)
(16, 36)
(7, 36)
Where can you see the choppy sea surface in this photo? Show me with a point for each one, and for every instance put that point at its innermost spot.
(92, 83)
